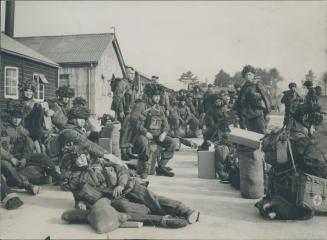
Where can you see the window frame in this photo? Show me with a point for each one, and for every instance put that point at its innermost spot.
(37, 92)
(5, 83)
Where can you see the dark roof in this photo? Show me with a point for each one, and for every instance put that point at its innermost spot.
(11, 46)
(84, 48)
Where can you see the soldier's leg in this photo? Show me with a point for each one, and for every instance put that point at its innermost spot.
(160, 205)
(194, 125)
(257, 125)
(124, 138)
(14, 178)
(125, 205)
(169, 146)
(141, 147)
(47, 166)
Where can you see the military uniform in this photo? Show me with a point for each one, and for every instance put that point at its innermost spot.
(188, 121)
(123, 98)
(290, 98)
(89, 185)
(253, 104)
(155, 122)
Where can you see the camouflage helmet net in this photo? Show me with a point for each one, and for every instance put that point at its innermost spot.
(17, 108)
(79, 101)
(27, 84)
(151, 89)
(248, 68)
(65, 91)
(79, 112)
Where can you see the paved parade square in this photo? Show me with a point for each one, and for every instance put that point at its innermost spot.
(224, 214)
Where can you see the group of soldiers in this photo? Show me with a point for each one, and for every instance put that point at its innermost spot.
(56, 142)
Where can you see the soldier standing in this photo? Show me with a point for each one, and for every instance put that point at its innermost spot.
(290, 98)
(154, 128)
(253, 103)
(124, 94)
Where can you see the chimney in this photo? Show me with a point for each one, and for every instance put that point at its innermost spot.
(10, 18)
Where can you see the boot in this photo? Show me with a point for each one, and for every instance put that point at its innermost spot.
(143, 169)
(192, 216)
(12, 201)
(168, 168)
(33, 189)
(172, 222)
(162, 171)
(124, 155)
(204, 146)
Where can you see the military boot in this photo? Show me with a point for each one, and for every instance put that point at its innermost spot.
(12, 201)
(162, 170)
(172, 222)
(33, 189)
(142, 169)
(191, 215)
(124, 154)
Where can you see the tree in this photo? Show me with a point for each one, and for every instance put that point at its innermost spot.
(310, 76)
(324, 82)
(222, 79)
(237, 78)
(188, 78)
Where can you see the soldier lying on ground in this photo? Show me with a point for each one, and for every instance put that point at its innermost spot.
(127, 194)
(75, 133)
(302, 154)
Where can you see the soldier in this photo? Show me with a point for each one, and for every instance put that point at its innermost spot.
(124, 94)
(188, 121)
(154, 128)
(198, 101)
(35, 166)
(60, 106)
(16, 147)
(127, 194)
(216, 122)
(27, 90)
(289, 99)
(303, 154)
(253, 103)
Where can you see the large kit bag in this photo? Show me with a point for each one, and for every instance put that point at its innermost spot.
(312, 192)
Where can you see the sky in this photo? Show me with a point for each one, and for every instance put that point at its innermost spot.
(167, 38)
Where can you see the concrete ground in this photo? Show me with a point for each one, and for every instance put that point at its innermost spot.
(224, 214)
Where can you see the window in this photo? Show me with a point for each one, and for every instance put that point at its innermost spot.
(40, 80)
(11, 82)
(64, 79)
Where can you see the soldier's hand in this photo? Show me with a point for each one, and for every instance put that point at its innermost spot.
(162, 136)
(149, 136)
(22, 163)
(81, 206)
(122, 115)
(117, 191)
(14, 161)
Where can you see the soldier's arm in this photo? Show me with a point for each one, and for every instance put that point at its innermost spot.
(4, 154)
(122, 175)
(73, 136)
(164, 123)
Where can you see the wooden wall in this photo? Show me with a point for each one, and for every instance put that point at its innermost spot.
(107, 66)
(26, 68)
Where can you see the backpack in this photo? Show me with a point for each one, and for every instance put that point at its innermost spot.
(274, 146)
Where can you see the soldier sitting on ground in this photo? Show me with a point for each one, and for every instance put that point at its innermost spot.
(188, 122)
(291, 153)
(154, 127)
(60, 106)
(216, 122)
(126, 193)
